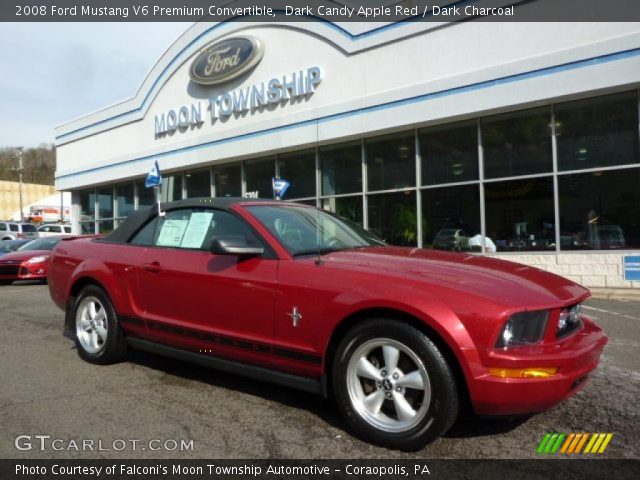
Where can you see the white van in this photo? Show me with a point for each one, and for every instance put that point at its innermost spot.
(51, 229)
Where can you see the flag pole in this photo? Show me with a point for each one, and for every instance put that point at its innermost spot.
(157, 189)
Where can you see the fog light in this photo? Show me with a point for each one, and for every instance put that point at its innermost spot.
(542, 372)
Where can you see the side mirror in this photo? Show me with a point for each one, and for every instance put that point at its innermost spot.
(234, 245)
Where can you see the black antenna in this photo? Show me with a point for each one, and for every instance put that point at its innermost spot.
(319, 260)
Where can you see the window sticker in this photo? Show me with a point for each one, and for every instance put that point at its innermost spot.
(196, 229)
(172, 232)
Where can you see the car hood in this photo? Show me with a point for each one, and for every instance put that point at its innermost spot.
(21, 256)
(509, 284)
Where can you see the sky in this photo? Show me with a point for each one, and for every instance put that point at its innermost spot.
(51, 73)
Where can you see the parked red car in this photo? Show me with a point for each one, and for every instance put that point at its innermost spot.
(284, 292)
(29, 262)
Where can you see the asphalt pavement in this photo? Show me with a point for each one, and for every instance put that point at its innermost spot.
(130, 409)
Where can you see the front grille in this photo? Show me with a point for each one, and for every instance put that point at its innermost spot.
(9, 270)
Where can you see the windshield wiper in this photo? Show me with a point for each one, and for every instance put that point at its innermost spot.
(317, 251)
(324, 251)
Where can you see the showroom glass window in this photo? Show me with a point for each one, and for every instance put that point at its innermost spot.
(449, 153)
(258, 176)
(347, 207)
(124, 201)
(391, 162)
(600, 210)
(198, 183)
(597, 132)
(146, 196)
(300, 170)
(311, 202)
(392, 217)
(87, 205)
(87, 211)
(517, 143)
(451, 218)
(228, 180)
(171, 188)
(520, 215)
(105, 209)
(341, 167)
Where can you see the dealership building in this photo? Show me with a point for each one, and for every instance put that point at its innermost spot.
(519, 140)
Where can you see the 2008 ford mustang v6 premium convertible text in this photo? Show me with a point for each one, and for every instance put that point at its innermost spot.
(279, 291)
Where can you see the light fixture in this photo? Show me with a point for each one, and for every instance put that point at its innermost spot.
(582, 153)
(457, 169)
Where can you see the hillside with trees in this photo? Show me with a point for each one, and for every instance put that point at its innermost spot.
(39, 164)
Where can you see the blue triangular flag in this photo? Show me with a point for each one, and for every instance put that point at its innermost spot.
(280, 187)
(154, 179)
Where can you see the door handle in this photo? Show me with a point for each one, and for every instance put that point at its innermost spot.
(153, 267)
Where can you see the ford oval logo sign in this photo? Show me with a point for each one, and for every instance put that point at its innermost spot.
(225, 60)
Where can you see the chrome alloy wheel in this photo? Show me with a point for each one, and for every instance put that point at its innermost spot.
(388, 385)
(91, 324)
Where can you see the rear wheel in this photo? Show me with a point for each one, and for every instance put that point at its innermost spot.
(99, 338)
(6, 282)
(393, 385)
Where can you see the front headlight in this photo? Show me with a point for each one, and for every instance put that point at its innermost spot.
(33, 260)
(524, 328)
(570, 320)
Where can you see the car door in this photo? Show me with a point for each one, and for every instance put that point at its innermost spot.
(46, 231)
(214, 304)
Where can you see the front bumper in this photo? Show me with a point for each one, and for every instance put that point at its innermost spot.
(31, 272)
(575, 357)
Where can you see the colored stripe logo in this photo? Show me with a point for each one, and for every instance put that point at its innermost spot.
(574, 443)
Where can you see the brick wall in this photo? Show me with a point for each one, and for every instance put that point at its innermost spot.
(10, 196)
(588, 269)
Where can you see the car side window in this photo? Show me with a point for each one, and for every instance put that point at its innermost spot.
(67, 229)
(226, 225)
(3, 227)
(146, 234)
(193, 229)
(13, 227)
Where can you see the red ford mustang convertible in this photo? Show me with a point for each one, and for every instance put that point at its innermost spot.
(278, 291)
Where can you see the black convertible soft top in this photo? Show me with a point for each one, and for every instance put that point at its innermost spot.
(138, 218)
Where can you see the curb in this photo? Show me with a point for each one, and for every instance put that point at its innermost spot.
(616, 293)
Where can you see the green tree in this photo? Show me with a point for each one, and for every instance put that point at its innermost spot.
(39, 164)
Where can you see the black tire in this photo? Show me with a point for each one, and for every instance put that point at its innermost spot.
(114, 348)
(6, 282)
(438, 414)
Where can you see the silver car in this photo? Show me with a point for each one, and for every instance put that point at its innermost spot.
(17, 231)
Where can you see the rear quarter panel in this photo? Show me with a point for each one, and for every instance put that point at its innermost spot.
(112, 266)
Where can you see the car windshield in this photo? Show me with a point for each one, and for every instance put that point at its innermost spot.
(41, 244)
(8, 246)
(305, 231)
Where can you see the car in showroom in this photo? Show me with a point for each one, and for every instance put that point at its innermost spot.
(28, 262)
(399, 337)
